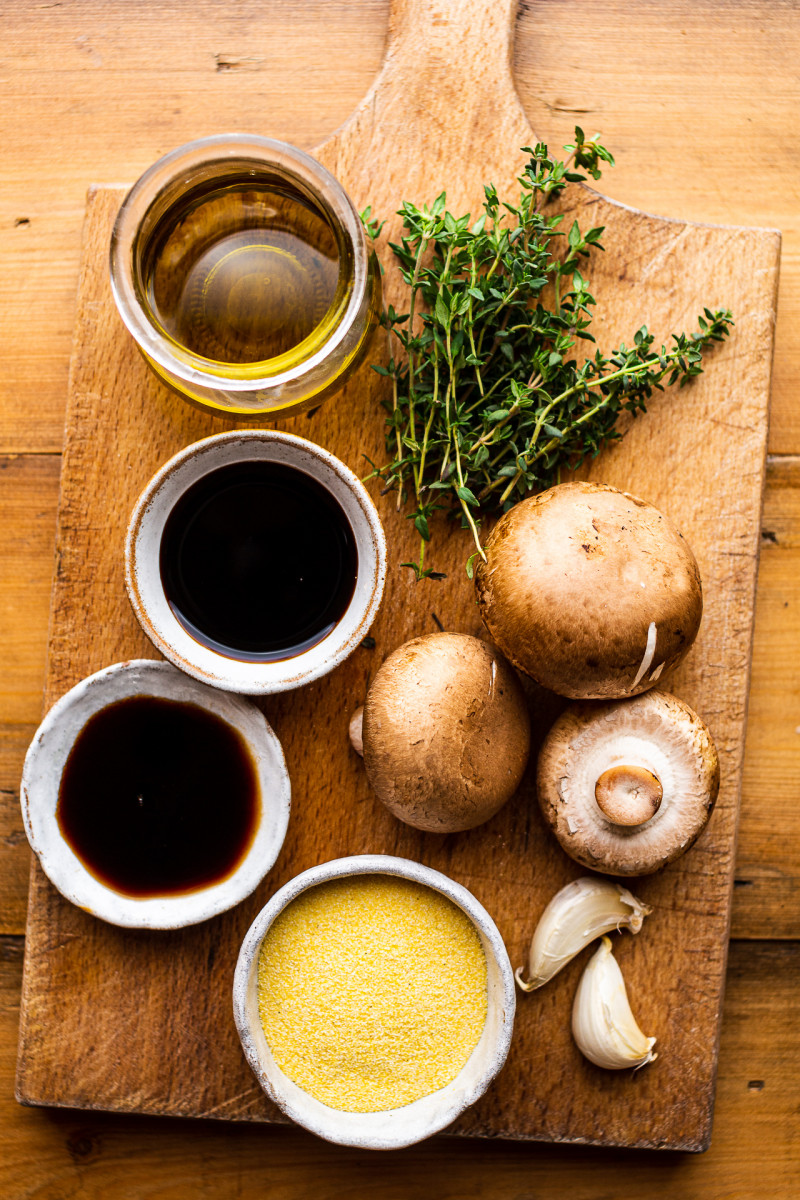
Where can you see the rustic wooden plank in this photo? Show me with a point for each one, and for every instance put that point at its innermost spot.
(767, 873)
(28, 502)
(768, 889)
(754, 1151)
(69, 74)
(14, 852)
(156, 1020)
(83, 97)
(712, 79)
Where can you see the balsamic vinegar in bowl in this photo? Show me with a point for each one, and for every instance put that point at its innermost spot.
(153, 801)
(159, 797)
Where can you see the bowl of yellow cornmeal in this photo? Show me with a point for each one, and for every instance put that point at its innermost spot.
(374, 1000)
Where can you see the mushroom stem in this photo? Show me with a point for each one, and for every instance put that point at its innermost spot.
(356, 730)
(628, 795)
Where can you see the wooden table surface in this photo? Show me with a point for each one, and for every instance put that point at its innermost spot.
(698, 100)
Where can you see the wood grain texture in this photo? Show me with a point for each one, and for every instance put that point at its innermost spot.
(767, 871)
(50, 1155)
(29, 495)
(165, 1031)
(15, 853)
(61, 1155)
(94, 89)
(767, 899)
(684, 92)
(28, 504)
(90, 89)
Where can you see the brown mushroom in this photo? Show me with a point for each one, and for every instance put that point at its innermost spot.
(628, 786)
(446, 732)
(590, 591)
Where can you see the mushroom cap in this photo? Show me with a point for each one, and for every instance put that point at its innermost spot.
(655, 731)
(590, 591)
(446, 732)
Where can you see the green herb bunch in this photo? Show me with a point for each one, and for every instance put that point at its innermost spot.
(489, 401)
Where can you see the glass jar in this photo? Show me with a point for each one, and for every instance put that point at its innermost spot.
(242, 270)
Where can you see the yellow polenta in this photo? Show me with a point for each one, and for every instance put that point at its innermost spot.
(372, 991)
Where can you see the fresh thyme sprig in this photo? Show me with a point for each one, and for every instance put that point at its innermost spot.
(489, 401)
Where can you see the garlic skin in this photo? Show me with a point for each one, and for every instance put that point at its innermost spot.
(579, 913)
(603, 1025)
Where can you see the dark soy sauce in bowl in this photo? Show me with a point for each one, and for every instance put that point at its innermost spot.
(158, 798)
(258, 561)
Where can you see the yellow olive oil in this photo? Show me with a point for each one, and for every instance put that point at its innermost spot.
(241, 270)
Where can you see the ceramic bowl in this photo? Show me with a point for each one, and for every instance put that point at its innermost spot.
(48, 754)
(146, 591)
(399, 1126)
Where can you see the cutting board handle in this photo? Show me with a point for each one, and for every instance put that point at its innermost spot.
(446, 95)
(465, 44)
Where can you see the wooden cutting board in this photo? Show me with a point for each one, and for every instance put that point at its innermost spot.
(129, 1021)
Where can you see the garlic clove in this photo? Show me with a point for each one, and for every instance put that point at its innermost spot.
(579, 913)
(603, 1025)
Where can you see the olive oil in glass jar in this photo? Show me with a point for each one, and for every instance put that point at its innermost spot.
(242, 270)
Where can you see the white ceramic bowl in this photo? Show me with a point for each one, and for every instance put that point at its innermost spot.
(143, 545)
(398, 1126)
(48, 754)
